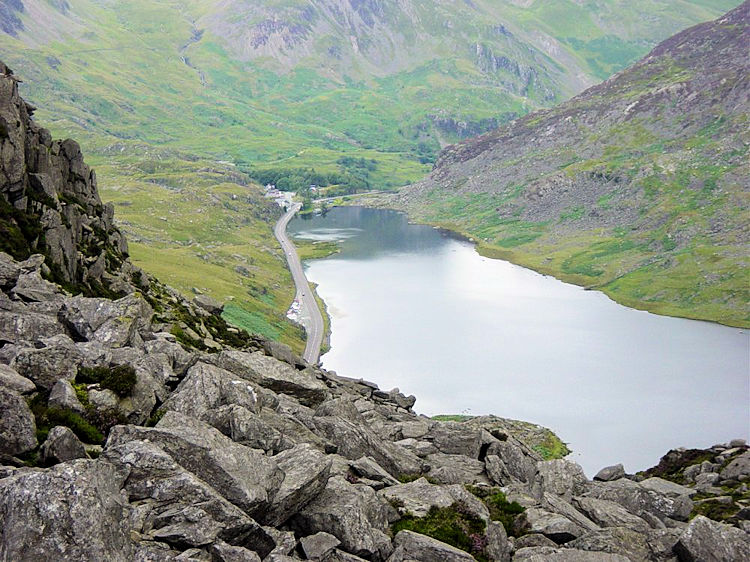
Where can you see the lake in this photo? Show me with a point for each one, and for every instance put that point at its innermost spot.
(417, 308)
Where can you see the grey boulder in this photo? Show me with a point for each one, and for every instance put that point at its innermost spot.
(58, 359)
(306, 471)
(738, 468)
(607, 513)
(73, 511)
(549, 554)
(708, 541)
(561, 477)
(113, 323)
(353, 514)
(212, 306)
(319, 545)
(413, 546)
(420, 496)
(223, 552)
(17, 425)
(11, 380)
(609, 473)
(640, 501)
(176, 507)
(275, 375)
(63, 396)
(246, 428)
(244, 476)
(356, 439)
(62, 445)
(207, 387)
(554, 526)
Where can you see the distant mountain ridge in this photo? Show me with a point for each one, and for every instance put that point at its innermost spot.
(637, 186)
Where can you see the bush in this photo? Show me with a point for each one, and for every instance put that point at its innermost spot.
(119, 379)
(451, 525)
(501, 510)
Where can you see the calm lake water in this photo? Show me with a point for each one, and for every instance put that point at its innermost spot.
(416, 308)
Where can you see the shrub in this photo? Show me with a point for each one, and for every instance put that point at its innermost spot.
(83, 429)
(451, 525)
(501, 510)
(119, 379)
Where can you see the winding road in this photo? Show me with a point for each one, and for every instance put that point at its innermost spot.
(310, 316)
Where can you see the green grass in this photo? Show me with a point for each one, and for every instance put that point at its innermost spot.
(452, 417)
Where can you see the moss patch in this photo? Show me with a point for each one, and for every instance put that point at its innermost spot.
(120, 379)
(452, 525)
(501, 510)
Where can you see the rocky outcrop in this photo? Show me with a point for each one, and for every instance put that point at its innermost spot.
(51, 206)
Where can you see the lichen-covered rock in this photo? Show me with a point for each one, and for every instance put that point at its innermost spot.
(22, 325)
(176, 507)
(61, 445)
(454, 438)
(207, 387)
(63, 396)
(11, 380)
(518, 463)
(708, 541)
(275, 375)
(413, 546)
(419, 496)
(73, 511)
(548, 554)
(355, 440)
(552, 525)
(58, 359)
(609, 473)
(640, 501)
(246, 428)
(212, 306)
(319, 545)
(738, 468)
(353, 514)
(456, 469)
(306, 471)
(366, 467)
(562, 477)
(244, 476)
(498, 547)
(616, 540)
(223, 552)
(17, 425)
(665, 487)
(113, 323)
(607, 513)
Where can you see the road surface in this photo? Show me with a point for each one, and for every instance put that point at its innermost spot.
(310, 316)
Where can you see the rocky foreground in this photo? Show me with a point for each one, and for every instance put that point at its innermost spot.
(254, 455)
(135, 425)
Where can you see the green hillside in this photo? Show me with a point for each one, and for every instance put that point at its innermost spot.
(178, 103)
(637, 187)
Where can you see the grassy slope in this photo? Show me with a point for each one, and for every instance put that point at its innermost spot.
(115, 81)
(681, 251)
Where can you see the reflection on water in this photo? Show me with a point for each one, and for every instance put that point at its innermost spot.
(417, 308)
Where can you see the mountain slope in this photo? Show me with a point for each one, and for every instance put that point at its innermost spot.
(637, 187)
(178, 104)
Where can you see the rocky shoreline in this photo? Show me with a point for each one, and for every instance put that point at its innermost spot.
(137, 425)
